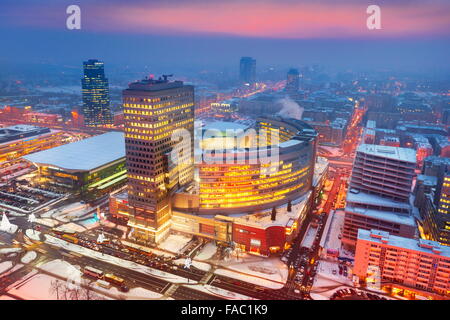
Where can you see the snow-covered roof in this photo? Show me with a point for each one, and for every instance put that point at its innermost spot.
(383, 215)
(422, 245)
(84, 155)
(372, 199)
(395, 153)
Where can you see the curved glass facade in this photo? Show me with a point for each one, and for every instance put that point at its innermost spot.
(258, 185)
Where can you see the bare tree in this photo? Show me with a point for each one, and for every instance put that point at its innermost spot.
(56, 286)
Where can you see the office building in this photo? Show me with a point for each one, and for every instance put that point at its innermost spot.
(96, 108)
(153, 110)
(293, 82)
(247, 70)
(379, 192)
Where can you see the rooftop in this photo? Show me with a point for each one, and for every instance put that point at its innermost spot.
(372, 199)
(422, 245)
(222, 126)
(84, 155)
(394, 153)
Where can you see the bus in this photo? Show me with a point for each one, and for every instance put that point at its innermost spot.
(93, 272)
(60, 231)
(103, 284)
(117, 281)
(70, 238)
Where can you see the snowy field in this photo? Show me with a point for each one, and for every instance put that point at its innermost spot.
(174, 243)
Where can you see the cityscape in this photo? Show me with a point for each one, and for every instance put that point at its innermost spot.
(212, 150)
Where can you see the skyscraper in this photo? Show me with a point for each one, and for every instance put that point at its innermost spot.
(96, 109)
(247, 70)
(153, 111)
(293, 82)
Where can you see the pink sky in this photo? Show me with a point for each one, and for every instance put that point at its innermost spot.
(277, 20)
(248, 18)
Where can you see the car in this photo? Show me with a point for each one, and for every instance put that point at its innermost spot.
(334, 272)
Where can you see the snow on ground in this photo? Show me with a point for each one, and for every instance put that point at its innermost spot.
(174, 243)
(9, 250)
(207, 252)
(38, 287)
(12, 229)
(247, 278)
(69, 212)
(47, 222)
(114, 260)
(270, 268)
(199, 265)
(219, 292)
(133, 294)
(5, 266)
(28, 257)
(33, 234)
(59, 268)
(325, 270)
(71, 227)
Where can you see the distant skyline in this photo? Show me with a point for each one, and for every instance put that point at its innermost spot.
(215, 34)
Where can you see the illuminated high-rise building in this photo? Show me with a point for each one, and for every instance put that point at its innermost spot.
(96, 108)
(293, 82)
(379, 192)
(247, 70)
(153, 111)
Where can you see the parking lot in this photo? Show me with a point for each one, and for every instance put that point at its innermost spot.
(22, 197)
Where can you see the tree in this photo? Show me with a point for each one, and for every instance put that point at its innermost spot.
(273, 217)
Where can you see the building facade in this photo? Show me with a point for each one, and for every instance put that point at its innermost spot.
(379, 192)
(95, 92)
(292, 82)
(153, 111)
(247, 70)
(414, 267)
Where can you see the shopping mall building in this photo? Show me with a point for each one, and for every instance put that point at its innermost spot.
(256, 194)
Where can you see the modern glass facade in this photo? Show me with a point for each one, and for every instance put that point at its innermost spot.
(96, 107)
